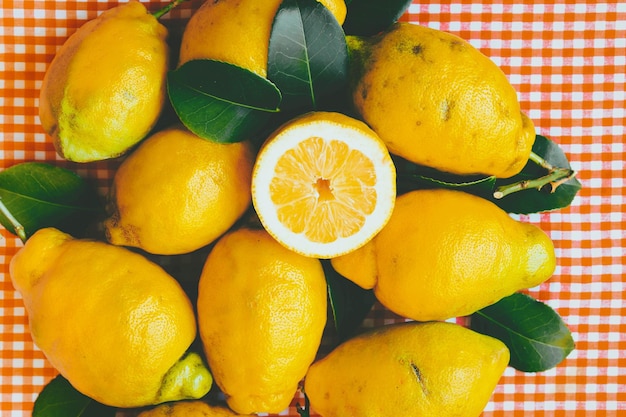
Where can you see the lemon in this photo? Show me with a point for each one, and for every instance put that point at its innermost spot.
(195, 408)
(437, 101)
(446, 254)
(105, 88)
(237, 31)
(323, 184)
(261, 315)
(114, 324)
(178, 192)
(409, 369)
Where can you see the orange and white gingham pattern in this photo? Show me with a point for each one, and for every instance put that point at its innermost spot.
(567, 61)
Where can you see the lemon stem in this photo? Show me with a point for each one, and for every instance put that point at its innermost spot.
(17, 226)
(166, 9)
(555, 177)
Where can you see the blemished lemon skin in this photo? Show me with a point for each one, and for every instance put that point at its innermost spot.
(439, 102)
(114, 324)
(237, 31)
(261, 315)
(409, 369)
(177, 192)
(195, 408)
(447, 253)
(105, 88)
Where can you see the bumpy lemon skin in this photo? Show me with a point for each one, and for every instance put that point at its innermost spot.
(238, 31)
(261, 314)
(447, 253)
(110, 321)
(177, 192)
(190, 409)
(408, 369)
(105, 88)
(439, 102)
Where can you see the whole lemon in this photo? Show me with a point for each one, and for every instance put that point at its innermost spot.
(409, 369)
(105, 88)
(261, 315)
(448, 253)
(194, 408)
(237, 31)
(114, 324)
(439, 102)
(178, 192)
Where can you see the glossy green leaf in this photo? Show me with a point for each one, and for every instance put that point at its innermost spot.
(369, 17)
(412, 177)
(308, 56)
(60, 399)
(523, 201)
(220, 101)
(349, 302)
(35, 195)
(533, 200)
(534, 333)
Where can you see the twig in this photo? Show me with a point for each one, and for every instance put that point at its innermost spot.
(555, 177)
(166, 9)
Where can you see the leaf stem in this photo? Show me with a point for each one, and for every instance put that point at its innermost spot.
(166, 9)
(555, 177)
(17, 226)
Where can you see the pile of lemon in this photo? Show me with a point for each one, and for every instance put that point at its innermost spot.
(321, 186)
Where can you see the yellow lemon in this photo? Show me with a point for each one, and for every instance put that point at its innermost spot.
(190, 409)
(237, 31)
(437, 101)
(446, 254)
(323, 184)
(261, 315)
(114, 324)
(405, 370)
(105, 88)
(178, 192)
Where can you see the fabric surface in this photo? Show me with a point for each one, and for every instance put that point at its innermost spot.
(566, 60)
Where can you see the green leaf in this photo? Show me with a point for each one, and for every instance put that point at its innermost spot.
(533, 200)
(525, 198)
(308, 55)
(412, 177)
(34, 195)
(369, 17)
(60, 399)
(220, 101)
(534, 333)
(349, 302)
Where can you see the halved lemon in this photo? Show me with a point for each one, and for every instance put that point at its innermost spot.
(323, 184)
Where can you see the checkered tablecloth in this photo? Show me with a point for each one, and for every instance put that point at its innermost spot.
(567, 61)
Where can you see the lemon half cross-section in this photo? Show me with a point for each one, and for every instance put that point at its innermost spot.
(323, 184)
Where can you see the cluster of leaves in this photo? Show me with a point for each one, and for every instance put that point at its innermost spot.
(308, 67)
